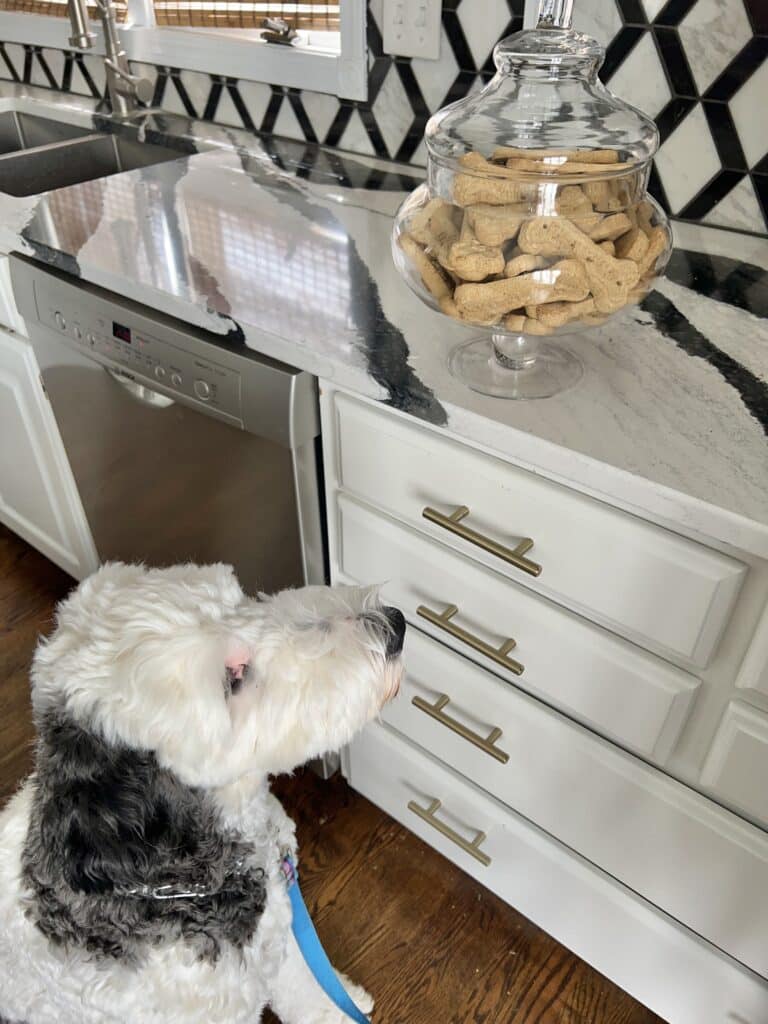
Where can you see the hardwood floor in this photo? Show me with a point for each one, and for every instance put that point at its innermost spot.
(431, 944)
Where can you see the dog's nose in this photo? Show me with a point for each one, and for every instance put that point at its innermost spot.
(396, 636)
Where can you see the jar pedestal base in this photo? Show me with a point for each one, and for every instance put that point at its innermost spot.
(543, 370)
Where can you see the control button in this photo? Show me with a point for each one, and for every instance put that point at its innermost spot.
(160, 372)
(203, 389)
(77, 333)
(176, 380)
(59, 320)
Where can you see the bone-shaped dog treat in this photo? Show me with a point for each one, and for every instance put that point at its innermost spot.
(429, 220)
(436, 228)
(494, 225)
(609, 278)
(608, 246)
(566, 280)
(435, 279)
(632, 245)
(472, 260)
(585, 156)
(557, 314)
(610, 227)
(524, 263)
(601, 195)
(468, 190)
(657, 243)
(556, 166)
(514, 322)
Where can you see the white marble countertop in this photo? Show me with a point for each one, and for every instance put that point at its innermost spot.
(285, 248)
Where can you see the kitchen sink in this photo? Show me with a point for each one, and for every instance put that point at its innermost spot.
(26, 131)
(70, 161)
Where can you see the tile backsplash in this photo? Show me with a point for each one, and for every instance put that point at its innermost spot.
(697, 66)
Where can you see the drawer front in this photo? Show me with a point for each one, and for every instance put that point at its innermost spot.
(652, 586)
(699, 864)
(611, 685)
(737, 766)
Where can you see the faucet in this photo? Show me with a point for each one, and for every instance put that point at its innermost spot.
(124, 89)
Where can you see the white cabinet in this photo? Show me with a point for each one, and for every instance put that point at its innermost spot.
(38, 497)
(596, 730)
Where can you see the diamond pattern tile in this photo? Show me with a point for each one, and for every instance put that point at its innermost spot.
(739, 208)
(482, 30)
(640, 78)
(687, 161)
(750, 116)
(713, 33)
(699, 67)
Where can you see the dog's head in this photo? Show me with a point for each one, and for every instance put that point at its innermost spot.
(217, 684)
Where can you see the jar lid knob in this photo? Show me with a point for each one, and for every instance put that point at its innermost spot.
(555, 14)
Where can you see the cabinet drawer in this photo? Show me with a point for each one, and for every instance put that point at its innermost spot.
(611, 685)
(700, 864)
(652, 586)
(737, 766)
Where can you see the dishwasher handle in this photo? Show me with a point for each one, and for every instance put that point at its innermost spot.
(140, 392)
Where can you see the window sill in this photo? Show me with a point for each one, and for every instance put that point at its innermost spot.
(218, 52)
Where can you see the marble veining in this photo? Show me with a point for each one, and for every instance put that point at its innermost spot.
(285, 248)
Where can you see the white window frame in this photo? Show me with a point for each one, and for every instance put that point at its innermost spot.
(220, 51)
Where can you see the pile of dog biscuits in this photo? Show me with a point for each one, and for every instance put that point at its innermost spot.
(528, 257)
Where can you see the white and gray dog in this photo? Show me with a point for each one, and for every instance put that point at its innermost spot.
(140, 864)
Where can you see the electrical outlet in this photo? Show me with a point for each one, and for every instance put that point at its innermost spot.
(412, 28)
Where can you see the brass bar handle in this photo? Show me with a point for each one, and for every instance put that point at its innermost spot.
(487, 744)
(514, 556)
(498, 654)
(428, 814)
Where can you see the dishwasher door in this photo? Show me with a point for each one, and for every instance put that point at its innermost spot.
(162, 483)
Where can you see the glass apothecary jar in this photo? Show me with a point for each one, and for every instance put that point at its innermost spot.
(534, 221)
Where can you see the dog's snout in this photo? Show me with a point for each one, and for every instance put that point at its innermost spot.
(396, 636)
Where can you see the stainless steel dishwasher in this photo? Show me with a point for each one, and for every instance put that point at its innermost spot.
(183, 446)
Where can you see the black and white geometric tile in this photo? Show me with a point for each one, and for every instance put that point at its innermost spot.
(698, 67)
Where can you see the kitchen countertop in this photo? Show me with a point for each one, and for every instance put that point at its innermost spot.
(284, 247)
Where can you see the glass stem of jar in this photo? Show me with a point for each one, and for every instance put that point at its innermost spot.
(514, 351)
(555, 14)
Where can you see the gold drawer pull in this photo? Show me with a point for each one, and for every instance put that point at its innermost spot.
(498, 654)
(435, 711)
(428, 815)
(452, 523)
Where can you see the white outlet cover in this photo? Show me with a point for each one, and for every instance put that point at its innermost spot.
(411, 28)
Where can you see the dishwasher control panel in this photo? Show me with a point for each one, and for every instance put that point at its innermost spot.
(112, 335)
(207, 370)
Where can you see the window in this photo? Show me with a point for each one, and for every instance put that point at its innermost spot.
(221, 37)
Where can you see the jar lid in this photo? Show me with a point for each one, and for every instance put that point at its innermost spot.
(545, 97)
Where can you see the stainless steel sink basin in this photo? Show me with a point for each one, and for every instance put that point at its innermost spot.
(59, 164)
(26, 131)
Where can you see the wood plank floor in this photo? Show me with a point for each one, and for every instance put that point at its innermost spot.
(431, 944)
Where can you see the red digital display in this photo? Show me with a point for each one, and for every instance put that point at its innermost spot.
(123, 333)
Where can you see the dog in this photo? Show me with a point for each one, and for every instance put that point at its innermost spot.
(140, 863)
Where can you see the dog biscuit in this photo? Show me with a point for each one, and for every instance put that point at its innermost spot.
(566, 280)
(556, 166)
(494, 225)
(514, 322)
(609, 228)
(434, 218)
(608, 246)
(632, 245)
(524, 263)
(435, 279)
(585, 156)
(556, 314)
(473, 261)
(657, 243)
(609, 278)
(532, 326)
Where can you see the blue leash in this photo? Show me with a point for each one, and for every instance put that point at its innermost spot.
(312, 950)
